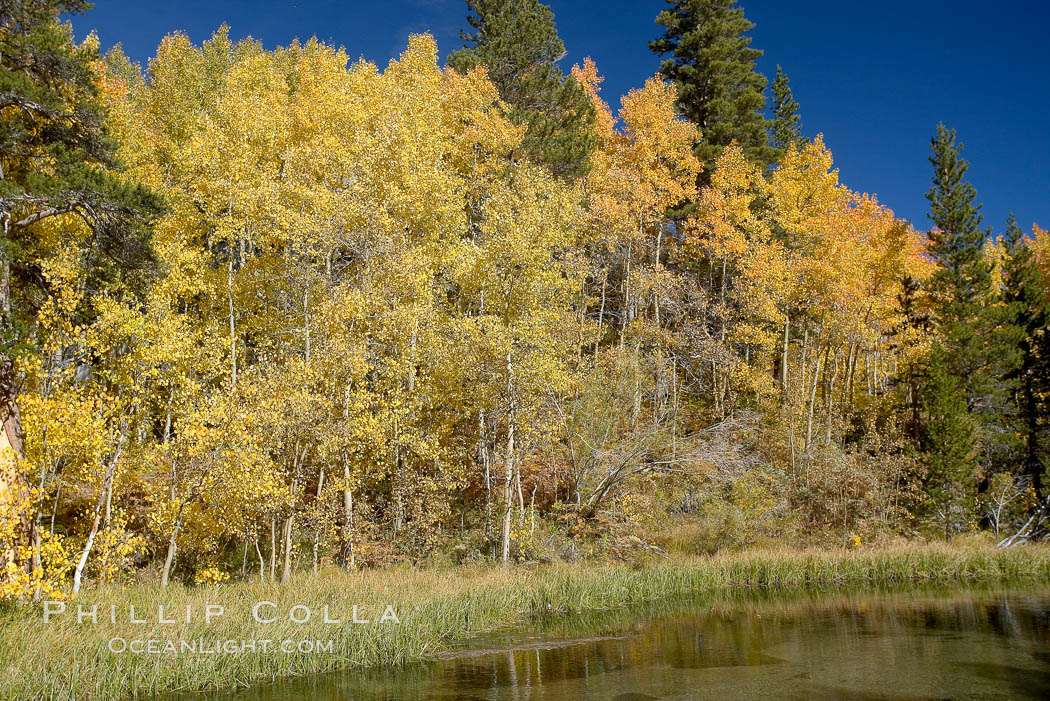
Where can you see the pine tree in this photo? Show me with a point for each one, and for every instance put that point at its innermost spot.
(55, 155)
(713, 65)
(973, 321)
(786, 128)
(949, 447)
(1026, 300)
(55, 159)
(962, 283)
(913, 326)
(517, 42)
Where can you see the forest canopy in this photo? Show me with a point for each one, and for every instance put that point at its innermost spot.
(271, 310)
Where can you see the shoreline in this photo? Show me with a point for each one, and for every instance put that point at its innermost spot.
(437, 609)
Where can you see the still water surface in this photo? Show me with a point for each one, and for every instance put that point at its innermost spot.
(926, 644)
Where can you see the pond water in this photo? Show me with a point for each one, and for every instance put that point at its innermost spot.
(922, 644)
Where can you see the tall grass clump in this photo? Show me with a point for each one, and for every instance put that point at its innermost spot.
(438, 610)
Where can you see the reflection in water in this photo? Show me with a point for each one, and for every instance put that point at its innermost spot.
(924, 644)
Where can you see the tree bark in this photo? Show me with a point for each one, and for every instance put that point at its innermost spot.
(233, 327)
(273, 547)
(508, 469)
(107, 483)
(172, 547)
(348, 518)
(831, 399)
(262, 562)
(286, 571)
(784, 357)
(483, 456)
(813, 398)
(14, 486)
(317, 526)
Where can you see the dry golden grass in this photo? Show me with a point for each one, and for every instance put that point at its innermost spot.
(437, 610)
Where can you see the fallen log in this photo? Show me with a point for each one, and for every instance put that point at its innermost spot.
(1037, 527)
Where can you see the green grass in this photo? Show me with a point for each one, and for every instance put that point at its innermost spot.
(438, 610)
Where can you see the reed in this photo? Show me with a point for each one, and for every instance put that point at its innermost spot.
(438, 610)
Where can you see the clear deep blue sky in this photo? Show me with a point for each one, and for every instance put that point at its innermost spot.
(874, 78)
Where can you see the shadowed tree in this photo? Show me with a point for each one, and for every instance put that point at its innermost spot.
(980, 343)
(1025, 296)
(950, 448)
(786, 127)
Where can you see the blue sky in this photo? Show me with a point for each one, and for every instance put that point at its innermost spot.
(874, 78)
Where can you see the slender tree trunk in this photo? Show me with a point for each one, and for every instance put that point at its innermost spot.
(805, 362)
(320, 520)
(286, 572)
(508, 470)
(636, 409)
(109, 503)
(273, 547)
(784, 358)
(831, 400)
(674, 408)
(233, 326)
(262, 561)
(626, 305)
(306, 332)
(813, 399)
(399, 509)
(111, 469)
(483, 451)
(348, 518)
(521, 496)
(169, 559)
(847, 381)
(601, 311)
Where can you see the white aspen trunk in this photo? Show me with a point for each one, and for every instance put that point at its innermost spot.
(875, 369)
(109, 502)
(805, 362)
(233, 326)
(867, 373)
(273, 547)
(306, 312)
(532, 512)
(831, 400)
(348, 498)
(784, 358)
(636, 409)
(508, 494)
(715, 389)
(521, 496)
(111, 469)
(169, 559)
(317, 526)
(286, 571)
(601, 311)
(813, 399)
(847, 381)
(298, 459)
(399, 511)
(624, 308)
(262, 561)
(348, 517)
(674, 408)
(483, 455)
